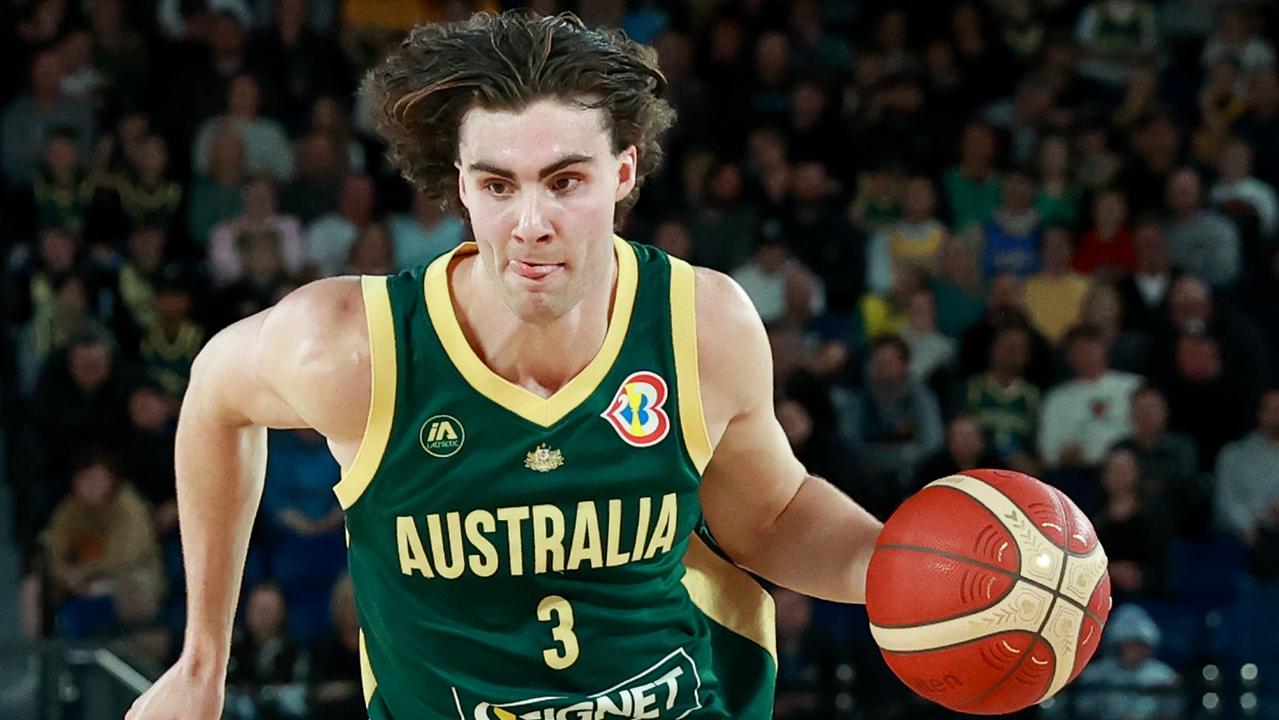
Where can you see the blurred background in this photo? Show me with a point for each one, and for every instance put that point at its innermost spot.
(1034, 234)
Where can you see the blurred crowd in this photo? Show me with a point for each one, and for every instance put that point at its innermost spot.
(1034, 234)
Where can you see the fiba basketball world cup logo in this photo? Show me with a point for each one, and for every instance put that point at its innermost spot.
(636, 411)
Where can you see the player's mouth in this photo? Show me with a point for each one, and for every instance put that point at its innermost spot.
(534, 270)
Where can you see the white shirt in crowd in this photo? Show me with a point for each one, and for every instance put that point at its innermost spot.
(1093, 413)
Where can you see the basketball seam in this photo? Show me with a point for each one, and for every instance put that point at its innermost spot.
(994, 601)
(1065, 548)
(1052, 605)
(993, 516)
(993, 568)
(1017, 665)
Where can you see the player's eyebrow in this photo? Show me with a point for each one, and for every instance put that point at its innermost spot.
(567, 160)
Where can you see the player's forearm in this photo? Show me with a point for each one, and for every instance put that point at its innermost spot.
(820, 545)
(220, 469)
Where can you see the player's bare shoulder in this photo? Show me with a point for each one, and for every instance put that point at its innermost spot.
(734, 360)
(303, 362)
(315, 349)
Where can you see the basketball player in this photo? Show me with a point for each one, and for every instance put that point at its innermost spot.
(553, 441)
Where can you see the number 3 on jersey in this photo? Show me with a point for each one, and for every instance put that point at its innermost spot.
(554, 607)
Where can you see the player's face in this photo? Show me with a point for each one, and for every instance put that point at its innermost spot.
(540, 186)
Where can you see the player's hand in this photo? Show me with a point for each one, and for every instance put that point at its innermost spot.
(181, 694)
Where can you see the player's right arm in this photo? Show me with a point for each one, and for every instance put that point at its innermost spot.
(302, 363)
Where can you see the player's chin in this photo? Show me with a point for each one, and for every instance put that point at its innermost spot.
(539, 304)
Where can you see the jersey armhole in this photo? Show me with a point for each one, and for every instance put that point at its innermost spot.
(692, 421)
(382, 367)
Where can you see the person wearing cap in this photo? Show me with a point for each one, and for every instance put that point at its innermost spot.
(1129, 683)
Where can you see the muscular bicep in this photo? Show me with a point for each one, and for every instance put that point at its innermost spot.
(750, 480)
(753, 473)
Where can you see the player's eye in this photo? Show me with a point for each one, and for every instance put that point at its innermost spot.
(565, 183)
(498, 188)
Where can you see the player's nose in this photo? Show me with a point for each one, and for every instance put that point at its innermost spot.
(533, 222)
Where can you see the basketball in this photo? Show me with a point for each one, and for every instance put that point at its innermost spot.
(987, 591)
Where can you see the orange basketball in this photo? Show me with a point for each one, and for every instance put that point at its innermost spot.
(987, 591)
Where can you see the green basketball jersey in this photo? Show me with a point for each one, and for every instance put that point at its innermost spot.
(515, 556)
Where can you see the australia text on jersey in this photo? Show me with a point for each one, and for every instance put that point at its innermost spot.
(594, 541)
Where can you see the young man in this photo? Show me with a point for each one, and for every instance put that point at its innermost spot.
(543, 434)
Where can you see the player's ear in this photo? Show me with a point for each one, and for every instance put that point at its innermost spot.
(461, 186)
(628, 164)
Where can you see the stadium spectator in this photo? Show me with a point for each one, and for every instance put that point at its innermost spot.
(266, 146)
(1005, 303)
(1131, 528)
(1057, 201)
(1106, 246)
(1247, 489)
(27, 121)
(296, 65)
(773, 278)
(916, 238)
(1144, 293)
(321, 171)
(1083, 417)
(330, 238)
(81, 394)
(958, 287)
(146, 458)
(1238, 193)
(262, 658)
(145, 192)
(1115, 36)
(427, 232)
(104, 561)
(1236, 39)
(1003, 403)
(1259, 124)
(218, 195)
(1168, 459)
(334, 690)
(893, 424)
(965, 449)
(1054, 296)
(822, 238)
(372, 254)
(808, 659)
(1012, 233)
(931, 352)
(973, 187)
(1129, 682)
(1200, 241)
(260, 222)
(726, 221)
(170, 343)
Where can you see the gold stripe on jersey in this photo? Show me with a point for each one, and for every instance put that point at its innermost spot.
(367, 680)
(684, 330)
(729, 596)
(377, 427)
(521, 401)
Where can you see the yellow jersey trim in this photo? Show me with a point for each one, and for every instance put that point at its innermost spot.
(382, 368)
(684, 329)
(367, 679)
(518, 400)
(729, 596)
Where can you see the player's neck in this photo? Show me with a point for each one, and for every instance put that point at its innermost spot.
(540, 357)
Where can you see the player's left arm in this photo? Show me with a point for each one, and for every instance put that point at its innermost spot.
(771, 516)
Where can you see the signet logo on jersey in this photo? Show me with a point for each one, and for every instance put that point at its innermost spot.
(442, 436)
(636, 411)
(667, 691)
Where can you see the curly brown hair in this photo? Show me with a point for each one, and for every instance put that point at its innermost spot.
(508, 61)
